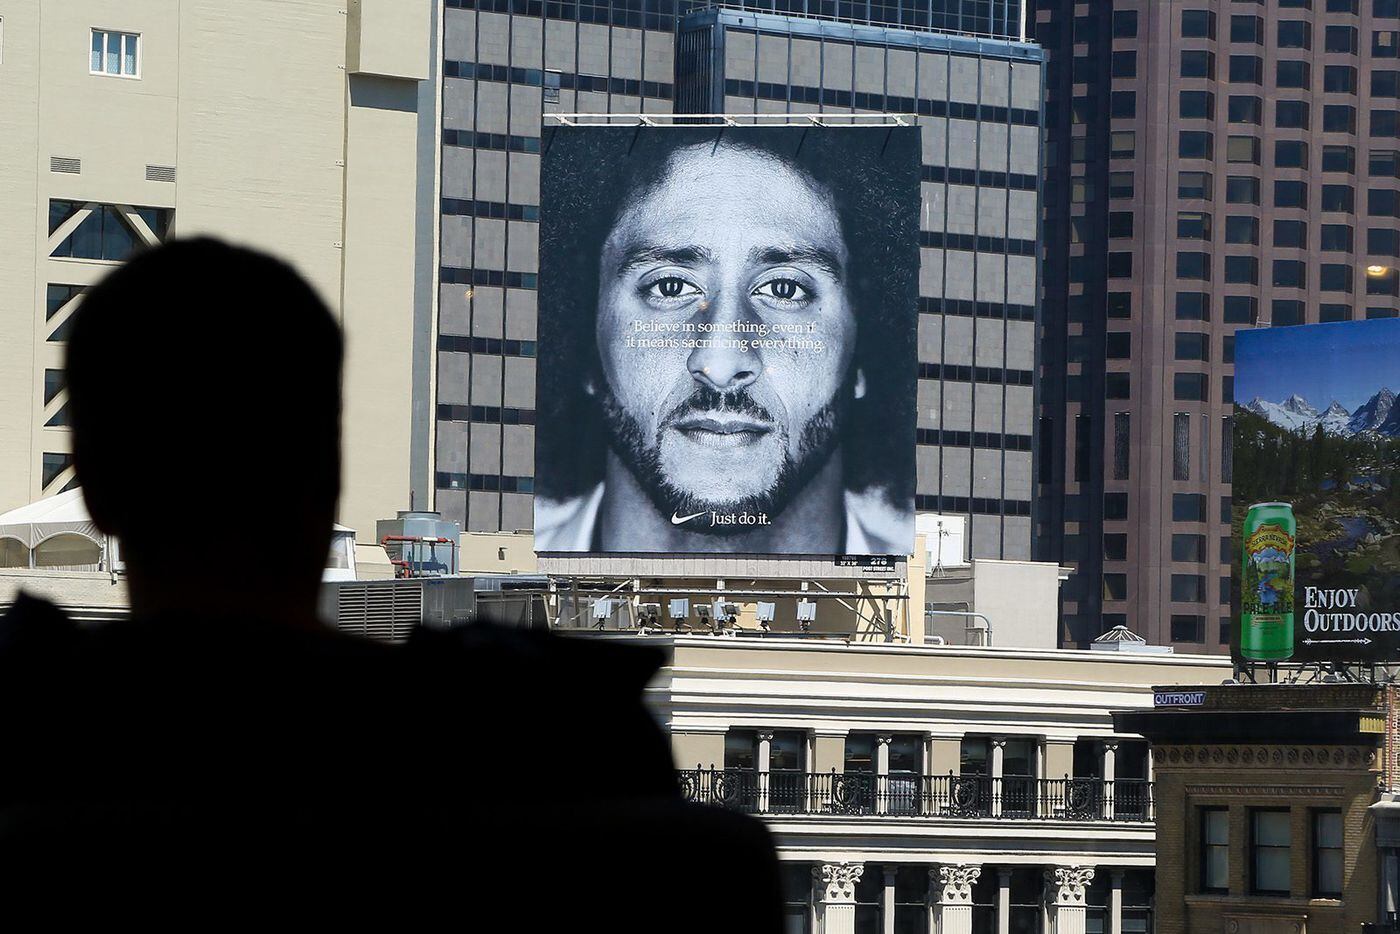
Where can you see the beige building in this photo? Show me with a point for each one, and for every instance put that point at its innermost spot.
(289, 125)
(947, 789)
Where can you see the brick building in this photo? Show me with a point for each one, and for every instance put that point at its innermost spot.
(1264, 797)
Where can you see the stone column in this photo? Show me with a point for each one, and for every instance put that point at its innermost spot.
(998, 764)
(882, 773)
(887, 902)
(952, 913)
(838, 888)
(1110, 764)
(1151, 784)
(1064, 898)
(765, 757)
(1004, 900)
(1115, 901)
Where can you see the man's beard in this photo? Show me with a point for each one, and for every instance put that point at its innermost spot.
(642, 456)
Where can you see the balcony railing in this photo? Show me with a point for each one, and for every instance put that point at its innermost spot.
(909, 795)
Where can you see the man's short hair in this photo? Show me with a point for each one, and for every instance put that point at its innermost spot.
(204, 379)
(871, 175)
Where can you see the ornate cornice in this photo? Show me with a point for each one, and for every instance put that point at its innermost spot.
(1263, 756)
(1257, 791)
(839, 880)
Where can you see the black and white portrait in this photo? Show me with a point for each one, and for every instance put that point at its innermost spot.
(727, 340)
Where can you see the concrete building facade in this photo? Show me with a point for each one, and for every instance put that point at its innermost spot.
(1210, 166)
(290, 126)
(917, 789)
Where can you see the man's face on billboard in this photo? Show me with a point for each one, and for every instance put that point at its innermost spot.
(729, 247)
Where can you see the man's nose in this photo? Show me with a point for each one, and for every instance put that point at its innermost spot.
(722, 362)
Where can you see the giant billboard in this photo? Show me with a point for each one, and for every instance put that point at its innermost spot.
(1316, 493)
(727, 346)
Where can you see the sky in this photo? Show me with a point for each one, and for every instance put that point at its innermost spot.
(1348, 362)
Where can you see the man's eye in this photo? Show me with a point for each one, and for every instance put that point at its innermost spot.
(672, 287)
(787, 290)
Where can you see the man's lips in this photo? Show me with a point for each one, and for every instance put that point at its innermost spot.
(719, 425)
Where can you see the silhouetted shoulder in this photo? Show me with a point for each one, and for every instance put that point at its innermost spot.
(559, 709)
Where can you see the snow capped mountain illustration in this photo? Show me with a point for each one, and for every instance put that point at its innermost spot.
(1380, 414)
(1335, 419)
(1372, 415)
(1292, 414)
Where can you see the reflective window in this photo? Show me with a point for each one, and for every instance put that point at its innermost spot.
(1339, 159)
(1241, 189)
(1327, 853)
(1193, 185)
(114, 53)
(1196, 105)
(1292, 74)
(1269, 845)
(1294, 34)
(1246, 109)
(1197, 64)
(1290, 154)
(1291, 115)
(1293, 234)
(1215, 850)
(1241, 228)
(1247, 28)
(1339, 79)
(1198, 24)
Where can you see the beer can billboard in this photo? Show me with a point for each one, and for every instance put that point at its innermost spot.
(1315, 499)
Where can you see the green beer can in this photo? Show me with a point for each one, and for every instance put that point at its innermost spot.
(1266, 582)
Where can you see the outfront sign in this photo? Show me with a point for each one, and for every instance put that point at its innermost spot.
(1178, 698)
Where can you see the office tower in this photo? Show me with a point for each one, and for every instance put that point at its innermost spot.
(1210, 166)
(978, 99)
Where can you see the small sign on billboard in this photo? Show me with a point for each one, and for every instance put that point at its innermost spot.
(1178, 698)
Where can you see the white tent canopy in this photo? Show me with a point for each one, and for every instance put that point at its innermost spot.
(53, 532)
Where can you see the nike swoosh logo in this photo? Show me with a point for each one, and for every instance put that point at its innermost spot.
(681, 520)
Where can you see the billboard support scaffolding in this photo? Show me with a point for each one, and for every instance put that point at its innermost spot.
(826, 120)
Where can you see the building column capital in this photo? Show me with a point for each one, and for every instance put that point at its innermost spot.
(764, 736)
(999, 742)
(955, 882)
(1064, 885)
(884, 739)
(838, 881)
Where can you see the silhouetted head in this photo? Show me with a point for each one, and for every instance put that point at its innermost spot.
(204, 381)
